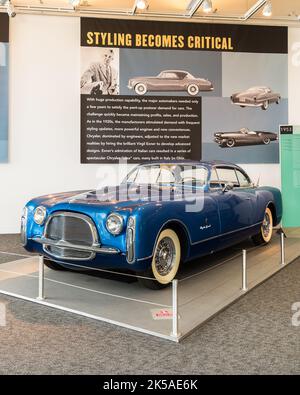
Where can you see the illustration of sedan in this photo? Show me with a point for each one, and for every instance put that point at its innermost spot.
(161, 216)
(170, 80)
(244, 137)
(257, 96)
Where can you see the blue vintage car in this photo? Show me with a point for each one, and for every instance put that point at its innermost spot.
(162, 215)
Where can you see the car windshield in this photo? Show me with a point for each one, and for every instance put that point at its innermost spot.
(171, 174)
(244, 130)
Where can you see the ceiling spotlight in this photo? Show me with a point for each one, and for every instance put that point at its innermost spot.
(141, 4)
(11, 10)
(74, 3)
(267, 10)
(207, 6)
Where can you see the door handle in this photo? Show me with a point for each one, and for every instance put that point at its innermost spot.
(247, 198)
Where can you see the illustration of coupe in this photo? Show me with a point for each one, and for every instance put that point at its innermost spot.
(170, 80)
(161, 216)
(244, 137)
(257, 96)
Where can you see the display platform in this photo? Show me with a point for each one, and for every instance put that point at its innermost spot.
(204, 288)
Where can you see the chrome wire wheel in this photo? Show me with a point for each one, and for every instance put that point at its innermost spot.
(266, 225)
(165, 256)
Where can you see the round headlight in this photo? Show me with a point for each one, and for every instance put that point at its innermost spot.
(40, 214)
(114, 224)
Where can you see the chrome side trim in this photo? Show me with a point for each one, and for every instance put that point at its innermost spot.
(146, 257)
(64, 244)
(227, 233)
(200, 241)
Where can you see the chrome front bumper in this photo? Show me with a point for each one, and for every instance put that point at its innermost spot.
(65, 244)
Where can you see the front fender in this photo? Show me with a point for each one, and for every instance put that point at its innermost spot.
(150, 219)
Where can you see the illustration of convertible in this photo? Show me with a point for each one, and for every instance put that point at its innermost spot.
(244, 137)
(161, 216)
(257, 96)
(170, 80)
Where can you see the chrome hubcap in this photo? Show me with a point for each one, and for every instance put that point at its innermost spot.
(165, 256)
(266, 226)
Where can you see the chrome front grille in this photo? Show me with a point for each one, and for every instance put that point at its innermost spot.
(76, 229)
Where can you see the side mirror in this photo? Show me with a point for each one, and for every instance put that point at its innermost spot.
(228, 187)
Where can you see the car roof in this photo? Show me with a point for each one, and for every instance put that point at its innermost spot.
(258, 87)
(175, 71)
(192, 162)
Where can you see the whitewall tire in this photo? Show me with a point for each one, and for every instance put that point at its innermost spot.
(165, 261)
(193, 89)
(140, 89)
(266, 230)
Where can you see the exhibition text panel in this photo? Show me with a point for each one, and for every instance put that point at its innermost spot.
(140, 129)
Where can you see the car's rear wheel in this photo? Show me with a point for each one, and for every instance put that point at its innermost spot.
(193, 89)
(230, 143)
(266, 230)
(140, 88)
(266, 140)
(165, 261)
(265, 105)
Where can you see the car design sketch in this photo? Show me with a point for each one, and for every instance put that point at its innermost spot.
(170, 80)
(257, 96)
(128, 228)
(244, 137)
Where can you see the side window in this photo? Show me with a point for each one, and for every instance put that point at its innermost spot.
(243, 179)
(165, 176)
(227, 175)
(214, 181)
(171, 76)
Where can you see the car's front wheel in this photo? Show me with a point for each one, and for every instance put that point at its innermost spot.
(140, 88)
(193, 89)
(230, 143)
(266, 140)
(265, 105)
(165, 261)
(266, 230)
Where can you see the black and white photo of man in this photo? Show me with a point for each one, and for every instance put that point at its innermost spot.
(101, 77)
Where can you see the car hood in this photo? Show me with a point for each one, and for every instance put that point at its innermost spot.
(118, 198)
(218, 134)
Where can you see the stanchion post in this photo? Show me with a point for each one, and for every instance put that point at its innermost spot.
(244, 272)
(175, 333)
(41, 278)
(282, 248)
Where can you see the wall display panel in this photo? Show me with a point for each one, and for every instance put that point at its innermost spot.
(4, 35)
(290, 174)
(174, 91)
